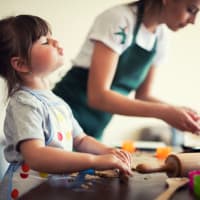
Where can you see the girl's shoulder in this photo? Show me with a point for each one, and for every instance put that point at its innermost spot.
(24, 98)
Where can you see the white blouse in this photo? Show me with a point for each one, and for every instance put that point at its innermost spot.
(109, 25)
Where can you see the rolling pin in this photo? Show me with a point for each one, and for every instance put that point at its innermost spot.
(176, 165)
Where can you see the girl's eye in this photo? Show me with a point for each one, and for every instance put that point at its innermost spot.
(45, 42)
(193, 10)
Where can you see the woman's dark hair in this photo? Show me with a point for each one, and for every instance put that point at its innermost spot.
(147, 4)
(17, 35)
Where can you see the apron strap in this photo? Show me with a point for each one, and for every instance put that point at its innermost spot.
(47, 139)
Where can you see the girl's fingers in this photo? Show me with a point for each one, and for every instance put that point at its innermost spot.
(124, 156)
(126, 170)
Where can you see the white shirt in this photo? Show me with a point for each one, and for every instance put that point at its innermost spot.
(108, 23)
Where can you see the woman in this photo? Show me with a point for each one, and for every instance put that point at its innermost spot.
(120, 54)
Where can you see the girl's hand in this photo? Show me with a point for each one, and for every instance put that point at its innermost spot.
(183, 118)
(124, 156)
(112, 161)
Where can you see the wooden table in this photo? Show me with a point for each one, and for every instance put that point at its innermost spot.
(140, 186)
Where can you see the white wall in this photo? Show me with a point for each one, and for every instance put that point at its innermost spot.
(177, 81)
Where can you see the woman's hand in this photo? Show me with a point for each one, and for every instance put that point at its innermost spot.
(183, 118)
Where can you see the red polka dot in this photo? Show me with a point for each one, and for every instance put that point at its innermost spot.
(14, 193)
(24, 176)
(60, 136)
(25, 168)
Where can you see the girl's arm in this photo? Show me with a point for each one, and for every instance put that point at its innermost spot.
(90, 145)
(84, 143)
(100, 96)
(55, 160)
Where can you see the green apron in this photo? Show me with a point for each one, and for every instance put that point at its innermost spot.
(132, 69)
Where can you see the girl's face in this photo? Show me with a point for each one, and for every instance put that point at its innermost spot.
(180, 13)
(46, 56)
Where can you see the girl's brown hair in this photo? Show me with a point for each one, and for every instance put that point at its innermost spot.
(17, 35)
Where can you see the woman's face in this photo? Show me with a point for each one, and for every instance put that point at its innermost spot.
(180, 13)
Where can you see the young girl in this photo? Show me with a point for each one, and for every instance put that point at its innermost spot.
(39, 127)
(121, 53)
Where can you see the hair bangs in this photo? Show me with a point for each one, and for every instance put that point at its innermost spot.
(33, 26)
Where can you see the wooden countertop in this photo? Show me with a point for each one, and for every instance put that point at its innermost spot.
(140, 186)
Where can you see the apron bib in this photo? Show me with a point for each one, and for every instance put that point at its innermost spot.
(132, 69)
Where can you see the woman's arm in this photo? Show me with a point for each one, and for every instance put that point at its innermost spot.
(101, 97)
(176, 116)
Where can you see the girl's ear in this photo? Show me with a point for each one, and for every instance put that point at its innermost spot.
(19, 65)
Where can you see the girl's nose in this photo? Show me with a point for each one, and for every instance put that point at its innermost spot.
(55, 43)
(192, 19)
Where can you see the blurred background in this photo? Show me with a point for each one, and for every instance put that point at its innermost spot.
(177, 80)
